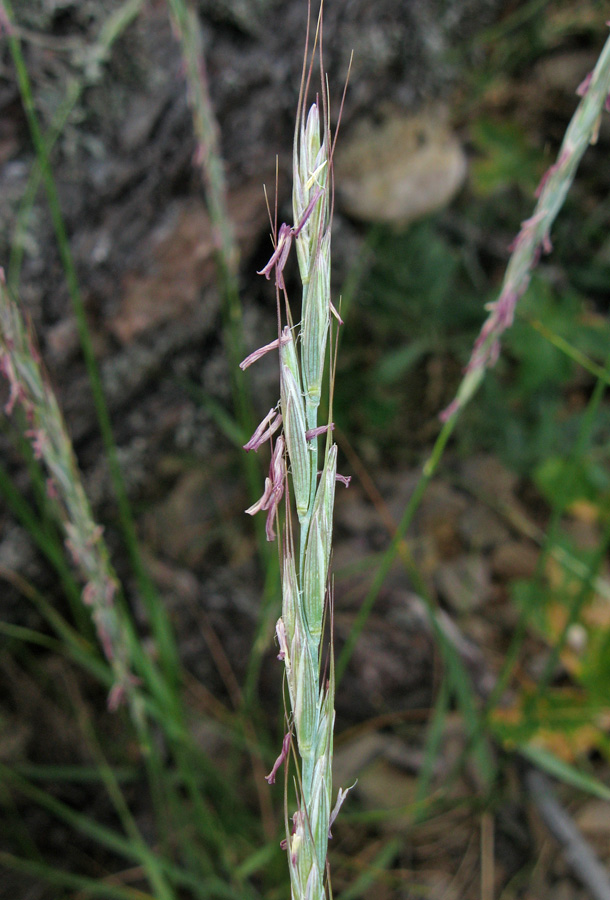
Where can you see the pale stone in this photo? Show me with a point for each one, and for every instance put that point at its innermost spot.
(400, 169)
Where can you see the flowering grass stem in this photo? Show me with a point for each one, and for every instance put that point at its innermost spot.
(156, 612)
(28, 388)
(304, 353)
(533, 239)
